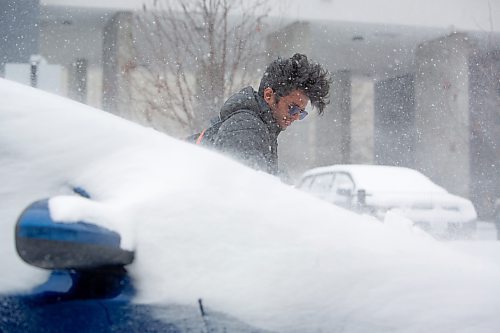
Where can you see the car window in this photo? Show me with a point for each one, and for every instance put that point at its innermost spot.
(343, 181)
(322, 183)
(306, 183)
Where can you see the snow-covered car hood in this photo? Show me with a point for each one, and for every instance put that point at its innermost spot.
(425, 207)
(204, 226)
(383, 178)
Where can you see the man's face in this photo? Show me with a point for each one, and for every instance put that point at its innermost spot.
(281, 110)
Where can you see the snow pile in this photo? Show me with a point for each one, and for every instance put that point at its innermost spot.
(206, 227)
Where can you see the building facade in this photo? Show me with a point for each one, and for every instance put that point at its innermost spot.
(425, 98)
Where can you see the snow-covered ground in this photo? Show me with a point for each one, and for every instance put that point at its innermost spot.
(486, 231)
(484, 244)
(204, 226)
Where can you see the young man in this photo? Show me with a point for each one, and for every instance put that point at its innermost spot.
(251, 121)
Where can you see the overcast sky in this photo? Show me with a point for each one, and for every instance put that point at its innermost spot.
(483, 15)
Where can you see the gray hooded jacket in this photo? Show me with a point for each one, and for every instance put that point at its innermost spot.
(249, 131)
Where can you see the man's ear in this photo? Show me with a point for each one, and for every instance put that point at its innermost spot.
(269, 95)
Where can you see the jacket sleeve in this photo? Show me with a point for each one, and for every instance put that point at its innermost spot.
(244, 137)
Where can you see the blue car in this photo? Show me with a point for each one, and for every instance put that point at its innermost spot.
(89, 289)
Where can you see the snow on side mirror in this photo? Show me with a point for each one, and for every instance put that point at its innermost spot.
(45, 243)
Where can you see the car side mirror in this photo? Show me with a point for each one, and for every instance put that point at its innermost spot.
(361, 197)
(49, 244)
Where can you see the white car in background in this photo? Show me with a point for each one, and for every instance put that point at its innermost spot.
(377, 189)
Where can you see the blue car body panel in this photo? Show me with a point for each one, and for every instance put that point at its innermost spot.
(65, 303)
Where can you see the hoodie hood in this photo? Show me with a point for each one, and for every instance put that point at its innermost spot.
(249, 99)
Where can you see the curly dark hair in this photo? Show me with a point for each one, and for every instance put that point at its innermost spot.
(297, 73)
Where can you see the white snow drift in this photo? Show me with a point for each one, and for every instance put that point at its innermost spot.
(204, 226)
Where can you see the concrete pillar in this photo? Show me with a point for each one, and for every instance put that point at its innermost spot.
(94, 87)
(333, 130)
(485, 130)
(78, 80)
(362, 120)
(442, 146)
(395, 121)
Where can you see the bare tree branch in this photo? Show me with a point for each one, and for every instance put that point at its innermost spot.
(190, 55)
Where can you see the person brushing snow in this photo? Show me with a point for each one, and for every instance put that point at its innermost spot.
(250, 121)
